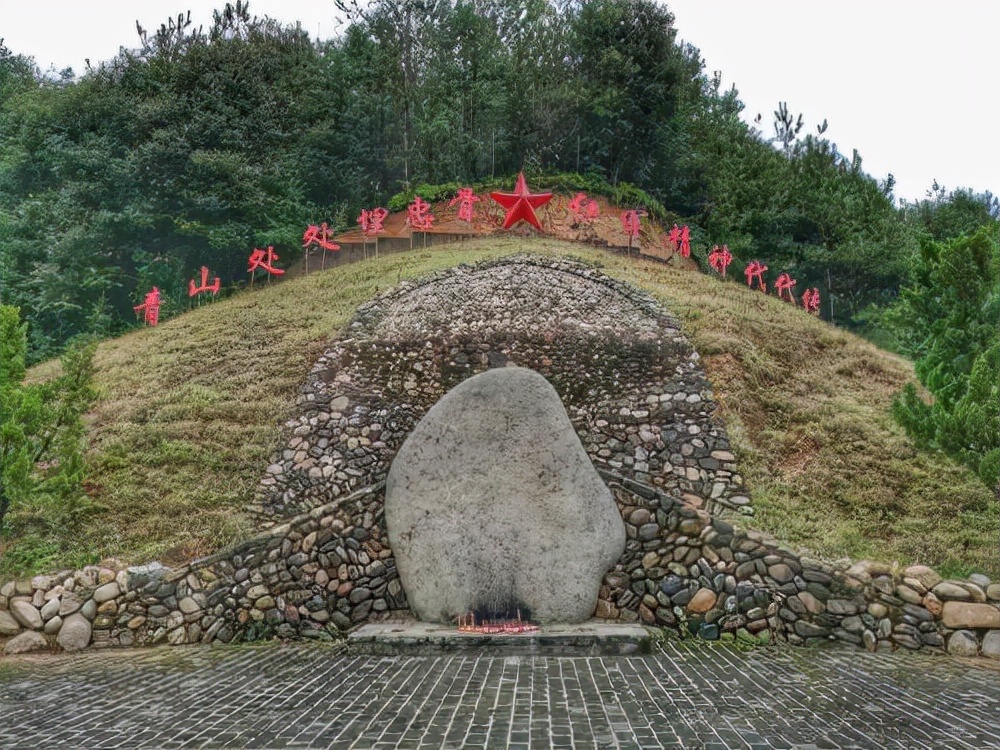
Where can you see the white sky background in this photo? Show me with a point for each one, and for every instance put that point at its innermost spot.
(912, 84)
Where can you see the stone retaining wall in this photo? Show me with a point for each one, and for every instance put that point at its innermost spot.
(644, 412)
(329, 570)
(685, 568)
(322, 572)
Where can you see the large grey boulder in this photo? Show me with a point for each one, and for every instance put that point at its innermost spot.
(26, 614)
(963, 643)
(991, 644)
(492, 505)
(28, 641)
(75, 633)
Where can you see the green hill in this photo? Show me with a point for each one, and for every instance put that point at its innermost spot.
(190, 412)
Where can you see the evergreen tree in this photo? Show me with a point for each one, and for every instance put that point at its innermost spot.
(41, 433)
(949, 322)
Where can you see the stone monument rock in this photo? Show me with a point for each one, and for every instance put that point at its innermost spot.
(492, 506)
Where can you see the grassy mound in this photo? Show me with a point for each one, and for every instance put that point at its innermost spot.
(190, 413)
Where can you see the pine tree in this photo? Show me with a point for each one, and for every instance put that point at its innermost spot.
(949, 320)
(41, 432)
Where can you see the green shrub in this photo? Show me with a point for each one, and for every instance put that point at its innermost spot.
(430, 193)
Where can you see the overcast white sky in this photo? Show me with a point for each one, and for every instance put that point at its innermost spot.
(911, 84)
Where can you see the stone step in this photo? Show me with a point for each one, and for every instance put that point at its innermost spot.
(411, 638)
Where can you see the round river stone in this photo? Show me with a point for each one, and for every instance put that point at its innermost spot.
(492, 506)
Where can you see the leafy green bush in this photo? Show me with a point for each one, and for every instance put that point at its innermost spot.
(622, 194)
(430, 193)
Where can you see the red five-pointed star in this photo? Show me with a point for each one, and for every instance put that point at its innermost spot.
(521, 204)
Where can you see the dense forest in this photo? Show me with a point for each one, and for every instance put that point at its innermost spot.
(200, 144)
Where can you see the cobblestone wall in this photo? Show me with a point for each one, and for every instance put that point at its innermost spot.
(685, 568)
(644, 412)
(628, 378)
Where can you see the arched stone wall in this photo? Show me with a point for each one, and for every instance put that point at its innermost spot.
(629, 379)
(627, 376)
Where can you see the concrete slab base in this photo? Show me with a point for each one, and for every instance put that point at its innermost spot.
(592, 638)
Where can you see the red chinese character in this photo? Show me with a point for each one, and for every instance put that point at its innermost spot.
(680, 239)
(150, 308)
(720, 258)
(419, 215)
(205, 286)
(264, 259)
(371, 226)
(371, 221)
(810, 300)
(755, 270)
(630, 224)
(584, 209)
(319, 236)
(784, 285)
(465, 198)
(674, 238)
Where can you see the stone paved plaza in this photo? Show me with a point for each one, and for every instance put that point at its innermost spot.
(688, 694)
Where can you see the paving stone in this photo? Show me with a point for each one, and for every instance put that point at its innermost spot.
(50, 609)
(841, 607)
(688, 694)
(702, 601)
(948, 590)
(53, 625)
(89, 609)
(26, 614)
(69, 603)
(807, 629)
(924, 575)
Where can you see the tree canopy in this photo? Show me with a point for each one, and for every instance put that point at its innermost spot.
(198, 145)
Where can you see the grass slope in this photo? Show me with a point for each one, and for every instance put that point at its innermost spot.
(191, 411)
